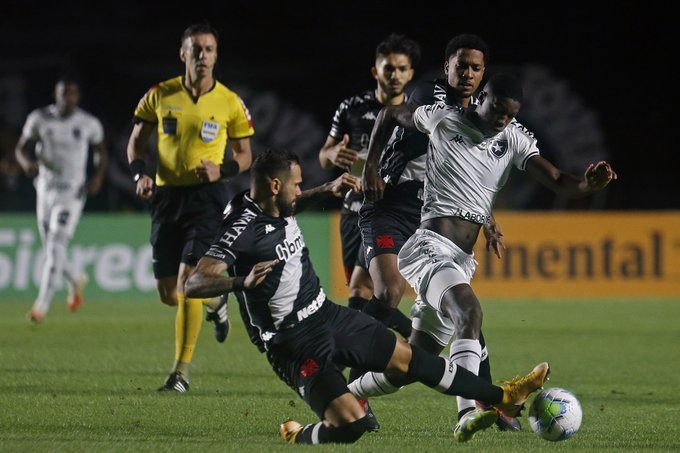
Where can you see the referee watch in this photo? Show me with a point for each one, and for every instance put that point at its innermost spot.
(137, 168)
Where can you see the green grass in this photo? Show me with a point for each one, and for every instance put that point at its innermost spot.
(86, 382)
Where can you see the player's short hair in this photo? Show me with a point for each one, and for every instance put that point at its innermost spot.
(505, 85)
(466, 41)
(273, 163)
(200, 29)
(396, 43)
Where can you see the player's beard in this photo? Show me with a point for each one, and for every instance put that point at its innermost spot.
(286, 208)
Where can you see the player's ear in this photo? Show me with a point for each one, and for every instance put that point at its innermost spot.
(374, 72)
(446, 68)
(181, 54)
(275, 185)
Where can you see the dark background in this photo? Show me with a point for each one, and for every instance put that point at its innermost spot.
(598, 83)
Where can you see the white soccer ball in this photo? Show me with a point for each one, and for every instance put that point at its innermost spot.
(555, 414)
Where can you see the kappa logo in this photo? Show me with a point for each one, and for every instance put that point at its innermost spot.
(309, 368)
(268, 229)
(385, 241)
(499, 147)
(368, 116)
(457, 139)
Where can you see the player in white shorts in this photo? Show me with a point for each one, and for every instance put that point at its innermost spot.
(61, 135)
(470, 156)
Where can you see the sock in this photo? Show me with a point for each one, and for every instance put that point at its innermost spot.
(55, 256)
(466, 354)
(357, 303)
(354, 374)
(484, 365)
(187, 327)
(446, 377)
(212, 304)
(371, 384)
(319, 433)
(390, 317)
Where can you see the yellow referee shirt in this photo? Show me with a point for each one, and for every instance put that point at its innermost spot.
(192, 129)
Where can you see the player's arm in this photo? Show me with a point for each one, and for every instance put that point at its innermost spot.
(101, 161)
(24, 152)
(337, 188)
(596, 177)
(209, 280)
(494, 237)
(335, 153)
(388, 118)
(136, 152)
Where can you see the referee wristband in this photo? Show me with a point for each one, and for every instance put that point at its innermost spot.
(137, 167)
(237, 284)
(229, 168)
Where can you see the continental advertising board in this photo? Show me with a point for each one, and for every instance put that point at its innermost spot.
(579, 254)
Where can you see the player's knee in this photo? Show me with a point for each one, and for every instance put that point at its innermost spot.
(167, 295)
(390, 294)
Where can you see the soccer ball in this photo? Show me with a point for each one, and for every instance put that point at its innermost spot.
(555, 414)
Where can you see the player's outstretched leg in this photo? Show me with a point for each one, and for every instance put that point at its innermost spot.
(75, 292)
(319, 433)
(517, 391)
(472, 422)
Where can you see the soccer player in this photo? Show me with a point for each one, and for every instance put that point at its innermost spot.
(308, 338)
(195, 117)
(470, 156)
(391, 211)
(347, 145)
(53, 148)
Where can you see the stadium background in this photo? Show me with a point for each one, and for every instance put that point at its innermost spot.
(595, 87)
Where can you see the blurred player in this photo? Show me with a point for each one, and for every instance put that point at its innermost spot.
(308, 338)
(347, 145)
(53, 148)
(468, 162)
(195, 116)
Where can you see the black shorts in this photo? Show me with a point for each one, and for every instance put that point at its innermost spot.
(184, 222)
(311, 356)
(352, 247)
(387, 224)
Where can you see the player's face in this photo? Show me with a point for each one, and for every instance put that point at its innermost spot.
(497, 113)
(290, 190)
(393, 72)
(199, 54)
(464, 71)
(66, 97)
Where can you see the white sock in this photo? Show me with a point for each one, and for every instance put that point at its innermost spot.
(466, 354)
(371, 384)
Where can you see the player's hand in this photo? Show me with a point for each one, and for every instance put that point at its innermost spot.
(208, 171)
(344, 183)
(144, 187)
(494, 238)
(599, 175)
(258, 273)
(372, 184)
(342, 156)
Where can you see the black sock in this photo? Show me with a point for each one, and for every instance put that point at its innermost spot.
(345, 434)
(484, 365)
(444, 376)
(380, 311)
(354, 374)
(357, 302)
(400, 323)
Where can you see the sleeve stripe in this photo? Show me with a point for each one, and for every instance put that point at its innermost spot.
(526, 159)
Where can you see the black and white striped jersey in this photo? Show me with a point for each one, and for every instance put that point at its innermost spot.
(291, 292)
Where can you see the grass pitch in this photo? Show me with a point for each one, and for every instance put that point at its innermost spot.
(87, 382)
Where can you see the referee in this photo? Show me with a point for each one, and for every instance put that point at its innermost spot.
(194, 116)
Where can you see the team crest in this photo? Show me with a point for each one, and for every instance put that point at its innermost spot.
(499, 147)
(209, 131)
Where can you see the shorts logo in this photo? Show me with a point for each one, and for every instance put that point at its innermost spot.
(385, 241)
(309, 368)
(499, 147)
(209, 131)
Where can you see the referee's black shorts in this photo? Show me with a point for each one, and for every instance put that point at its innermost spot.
(184, 222)
(310, 357)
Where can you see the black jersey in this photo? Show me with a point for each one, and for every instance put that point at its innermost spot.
(355, 117)
(409, 144)
(292, 291)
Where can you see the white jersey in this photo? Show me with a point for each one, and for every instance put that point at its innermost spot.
(465, 169)
(61, 145)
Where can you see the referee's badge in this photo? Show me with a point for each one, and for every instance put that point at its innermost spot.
(499, 147)
(209, 131)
